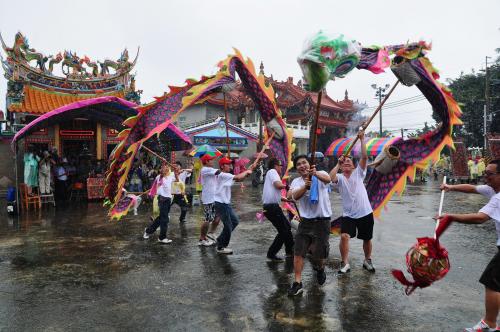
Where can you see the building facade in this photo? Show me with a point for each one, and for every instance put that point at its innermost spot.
(34, 88)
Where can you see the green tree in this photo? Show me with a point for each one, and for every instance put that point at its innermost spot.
(469, 91)
(385, 133)
(422, 131)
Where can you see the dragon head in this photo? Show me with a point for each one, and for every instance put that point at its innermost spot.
(324, 58)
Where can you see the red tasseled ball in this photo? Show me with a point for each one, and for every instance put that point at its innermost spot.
(427, 261)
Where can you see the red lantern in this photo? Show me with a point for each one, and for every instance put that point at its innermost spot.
(427, 261)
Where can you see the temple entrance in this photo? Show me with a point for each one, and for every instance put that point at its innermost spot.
(77, 149)
(38, 148)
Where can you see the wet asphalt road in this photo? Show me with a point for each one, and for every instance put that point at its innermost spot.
(71, 269)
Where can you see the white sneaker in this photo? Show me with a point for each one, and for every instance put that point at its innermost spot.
(225, 251)
(208, 243)
(165, 241)
(344, 268)
(368, 265)
(480, 327)
(146, 235)
(201, 243)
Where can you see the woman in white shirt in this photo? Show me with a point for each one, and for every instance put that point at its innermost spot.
(163, 184)
(179, 189)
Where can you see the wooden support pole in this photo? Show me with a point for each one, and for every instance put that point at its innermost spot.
(156, 154)
(227, 126)
(371, 118)
(315, 128)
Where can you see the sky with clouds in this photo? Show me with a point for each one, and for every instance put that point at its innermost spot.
(185, 39)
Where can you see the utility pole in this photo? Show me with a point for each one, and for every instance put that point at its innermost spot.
(486, 104)
(261, 142)
(380, 93)
(402, 133)
(484, 130)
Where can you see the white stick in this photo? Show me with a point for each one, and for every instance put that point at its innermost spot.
(440, 210)
(442, 197)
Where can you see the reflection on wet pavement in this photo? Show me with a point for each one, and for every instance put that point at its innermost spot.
(72, 269)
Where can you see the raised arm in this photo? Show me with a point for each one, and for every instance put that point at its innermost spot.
(242, 175)
(364, 155)
(335, 170)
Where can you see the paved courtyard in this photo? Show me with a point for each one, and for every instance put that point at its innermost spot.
(71, 269)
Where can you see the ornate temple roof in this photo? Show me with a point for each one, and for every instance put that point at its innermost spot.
(39, 101)
(290, 94)
(34, 88)
(296, 103)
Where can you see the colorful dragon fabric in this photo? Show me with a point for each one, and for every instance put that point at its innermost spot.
(327, 57)
(154, 119)
(415, 152)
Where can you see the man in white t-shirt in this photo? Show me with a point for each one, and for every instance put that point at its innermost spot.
(357, 215)
(222, 197)
(179, 189)
(491, 275)
(315, 212)
(271, 199)
(208, 183)
(163, 186)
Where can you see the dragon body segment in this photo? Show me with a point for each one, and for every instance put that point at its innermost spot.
(416, 152)
(154, 118)
(326, 57)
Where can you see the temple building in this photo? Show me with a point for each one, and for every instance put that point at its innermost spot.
(214, 133)
(34, 89)
(298, 107)
(296, 104)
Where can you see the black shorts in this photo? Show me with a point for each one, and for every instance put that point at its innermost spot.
(362, 226)
(313, 235)
(491, 275)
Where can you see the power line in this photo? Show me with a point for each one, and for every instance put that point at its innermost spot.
(401, 102)
(407, 112)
